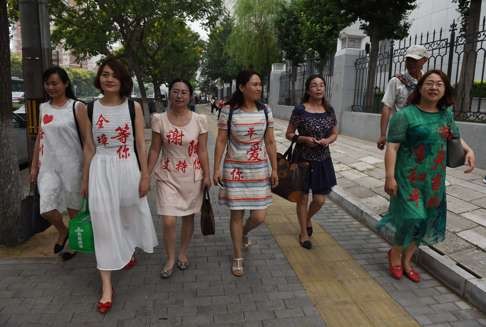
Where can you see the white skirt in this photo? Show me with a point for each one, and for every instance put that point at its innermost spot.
(121, 220)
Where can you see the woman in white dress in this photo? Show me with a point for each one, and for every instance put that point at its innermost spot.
(57, 157)
(118, 182)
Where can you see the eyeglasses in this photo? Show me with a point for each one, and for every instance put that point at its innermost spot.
(431, 84)
(180, 92)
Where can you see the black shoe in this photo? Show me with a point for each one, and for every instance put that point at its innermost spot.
(59, 247)
(68, 256)
(307, 244)
(309, 231)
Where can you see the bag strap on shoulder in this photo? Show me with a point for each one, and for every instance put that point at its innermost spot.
(77, 123)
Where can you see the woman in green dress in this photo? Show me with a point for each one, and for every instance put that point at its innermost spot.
(415, 163)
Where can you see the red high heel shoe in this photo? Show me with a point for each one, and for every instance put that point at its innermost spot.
(395, 271)
(132, 263)
(103, 308)
(413, 275)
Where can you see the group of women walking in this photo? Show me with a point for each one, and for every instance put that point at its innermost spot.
(98, 151)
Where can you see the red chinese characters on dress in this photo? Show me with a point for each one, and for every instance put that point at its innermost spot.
(414, 177)
(175, 136)
(197, 164)
(165, 164)
(101, 121)
(439, 160)
(254, 152)
(250, 132)
(436, 182)
(102, 139)
(415, 196)
(236, 174)
(433, 202)
(181, 166)
(122, 133)
(192, 148)
(420, 152)
(123, 151)
(445, 132)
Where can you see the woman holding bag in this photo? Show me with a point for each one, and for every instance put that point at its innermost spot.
(315, 122)
(58, 155)
(245, 131)
(118, 184)
(415, 163)
(183, 172)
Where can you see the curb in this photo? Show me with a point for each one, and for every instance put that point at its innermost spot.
(458, 279)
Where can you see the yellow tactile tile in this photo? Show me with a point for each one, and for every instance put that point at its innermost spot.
(343, 292)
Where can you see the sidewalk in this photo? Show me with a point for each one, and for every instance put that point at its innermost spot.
(360, 171)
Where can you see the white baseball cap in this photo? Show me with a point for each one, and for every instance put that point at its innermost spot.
(417, 52)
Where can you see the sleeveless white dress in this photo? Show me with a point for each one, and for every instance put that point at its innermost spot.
(121, 219)
(60, 158)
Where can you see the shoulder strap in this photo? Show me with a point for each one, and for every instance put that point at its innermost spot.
(77, 124)
(266, 121)
(230, 116)
(131, 110)
(90, 111)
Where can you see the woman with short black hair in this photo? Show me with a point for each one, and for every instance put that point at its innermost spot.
(315, 122)
(118, 182)
(57, 156)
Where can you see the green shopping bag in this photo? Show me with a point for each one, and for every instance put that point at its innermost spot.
(81, 231)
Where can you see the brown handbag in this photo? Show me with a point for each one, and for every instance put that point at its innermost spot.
(292, 175)
(456, 156)
(207, 215)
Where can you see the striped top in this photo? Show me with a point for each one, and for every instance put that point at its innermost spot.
(246, 168)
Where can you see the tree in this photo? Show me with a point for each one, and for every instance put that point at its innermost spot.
(470, 11)
(10, 192)
(289, 28)
(82, 80)
(13, 11)
(253, 43)
(380, 19)
(217, 62)
(93, 27)
(16, 65)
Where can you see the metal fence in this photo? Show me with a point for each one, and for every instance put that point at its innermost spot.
(446, 49)
(304, 70)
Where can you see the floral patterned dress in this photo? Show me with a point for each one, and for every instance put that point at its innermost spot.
(418, 212)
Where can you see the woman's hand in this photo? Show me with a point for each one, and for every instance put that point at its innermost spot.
(84, 188)
(34, 172)
(323, 142)
(217, 178)
(206, 183)
(391, 186)
(309, 141)
(144, 186)
(274, 178)
(470, 161)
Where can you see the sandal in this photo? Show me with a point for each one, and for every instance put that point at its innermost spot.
(246, 242)
(166, 273)
(307, 244)
(237, 267)
(182, 265)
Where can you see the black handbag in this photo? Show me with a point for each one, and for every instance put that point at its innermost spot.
(31, 220)
(456, 155)
(207, 215)
(292, 175)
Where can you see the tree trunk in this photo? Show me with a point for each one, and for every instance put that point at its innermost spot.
(10, 192)
(143, 95)
(370, 84)
(468, 66)
(157, 95)
(293, 78)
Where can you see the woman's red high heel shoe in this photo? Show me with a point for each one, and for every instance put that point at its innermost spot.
(413, 275)
(132, 263)
(395, 271)
(106, 306)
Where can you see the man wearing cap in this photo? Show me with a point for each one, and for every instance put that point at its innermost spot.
(400, 87)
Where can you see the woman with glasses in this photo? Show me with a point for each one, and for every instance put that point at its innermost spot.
(415, 163)
(183, 172)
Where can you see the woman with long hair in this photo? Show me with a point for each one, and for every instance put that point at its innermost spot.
(245, 132)
(315, 123)
(183, 172)
(115, 180)
(415, 163)
(58, 155)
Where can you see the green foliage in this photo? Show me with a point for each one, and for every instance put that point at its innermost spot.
(16, 65)
(289, 27)
(253, 42)
(217, 62)
(13, 11)
(478, 89)
(383, 19)
(83, 82)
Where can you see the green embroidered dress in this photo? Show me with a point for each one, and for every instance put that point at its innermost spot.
(418, 212)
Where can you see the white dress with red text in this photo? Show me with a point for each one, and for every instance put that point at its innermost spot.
(60, 158)
(121, 219)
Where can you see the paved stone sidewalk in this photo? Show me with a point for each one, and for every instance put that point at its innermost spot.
(360, 171)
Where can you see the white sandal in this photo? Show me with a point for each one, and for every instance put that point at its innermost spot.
(246, 242)
(237, 267)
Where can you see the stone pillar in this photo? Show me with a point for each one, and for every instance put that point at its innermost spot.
(343, 81)
(274, 92)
